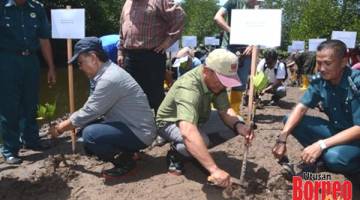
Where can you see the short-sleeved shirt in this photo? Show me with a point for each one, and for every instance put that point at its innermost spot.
(341, 102)
(234, 4)
(270, 73)
(228, 6)
(189, 99)
(22, 26)
(110, 44)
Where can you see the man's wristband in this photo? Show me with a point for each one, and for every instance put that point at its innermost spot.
(236, 123)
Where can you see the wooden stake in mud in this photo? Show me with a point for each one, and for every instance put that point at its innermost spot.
(71, 88)
(251, 111)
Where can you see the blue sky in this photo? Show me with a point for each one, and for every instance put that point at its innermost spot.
(221, 2)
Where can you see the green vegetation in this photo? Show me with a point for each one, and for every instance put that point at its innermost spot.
(46, 111)
(302, 19)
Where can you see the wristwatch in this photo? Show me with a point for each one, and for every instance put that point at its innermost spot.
(322, 144)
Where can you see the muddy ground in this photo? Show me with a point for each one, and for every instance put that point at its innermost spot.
(48, 175)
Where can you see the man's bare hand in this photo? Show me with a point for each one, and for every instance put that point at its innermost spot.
(163, 46)
(245, 131)
(220, 178)
(279, 149)
(51, 77)
(120, 60)
(311, 153)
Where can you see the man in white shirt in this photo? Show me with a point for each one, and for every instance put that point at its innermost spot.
(276, 74)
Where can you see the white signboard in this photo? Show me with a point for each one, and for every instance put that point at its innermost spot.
(290, 49)
(174, 47)
(189, 41)
(68, 23)
(256, 27)
(216, 42)
(298, 45)
(314, 43)
(211, 41)
(349, 38)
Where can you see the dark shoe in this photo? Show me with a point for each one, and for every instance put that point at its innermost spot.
(287, 168)
(174, 162)
(273, 103)
(38, 147)
(120, 171)
(12, 160)
(123, 165)
(159, 142)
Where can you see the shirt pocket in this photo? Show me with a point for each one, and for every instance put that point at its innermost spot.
(32, 25)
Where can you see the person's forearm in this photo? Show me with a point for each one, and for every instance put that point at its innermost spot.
(229, 117)
(276, 84)
(294, 119)
(196, 146)
(345, 136)
(46, 51)
(221, 22)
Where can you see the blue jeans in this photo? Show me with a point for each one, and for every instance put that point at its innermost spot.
(343, 159)
(105, 140)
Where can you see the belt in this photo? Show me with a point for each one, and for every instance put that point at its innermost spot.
(25, 52)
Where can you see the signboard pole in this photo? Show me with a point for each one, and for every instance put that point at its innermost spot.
(251, 110)
(71, 87)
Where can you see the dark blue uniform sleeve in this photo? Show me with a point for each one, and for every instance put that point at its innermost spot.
(355, 102)
(44, 28)
(312, 95)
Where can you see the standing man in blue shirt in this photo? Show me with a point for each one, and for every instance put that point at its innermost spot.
(243, 51)
(24, 29)
(335, 141)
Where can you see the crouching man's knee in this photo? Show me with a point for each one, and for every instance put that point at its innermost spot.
(337, 162)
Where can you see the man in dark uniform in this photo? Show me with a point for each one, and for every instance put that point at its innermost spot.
(23, 29)
(335, 141)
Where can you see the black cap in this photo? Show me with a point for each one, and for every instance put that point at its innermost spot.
(84, 45)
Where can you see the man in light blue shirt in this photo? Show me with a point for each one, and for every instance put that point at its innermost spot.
(128, 123)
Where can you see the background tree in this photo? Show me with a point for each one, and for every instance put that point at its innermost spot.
(101, 18)
(199, 18)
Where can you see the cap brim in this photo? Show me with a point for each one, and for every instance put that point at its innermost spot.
(74, 58)
(229, 81)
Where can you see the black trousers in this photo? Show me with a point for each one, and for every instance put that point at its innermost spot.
(148, 68)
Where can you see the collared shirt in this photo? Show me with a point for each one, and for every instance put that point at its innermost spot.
(118, 97)
(145, 24)
(22, 26)
(341, 102)
(189, 99)
(270, 73)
